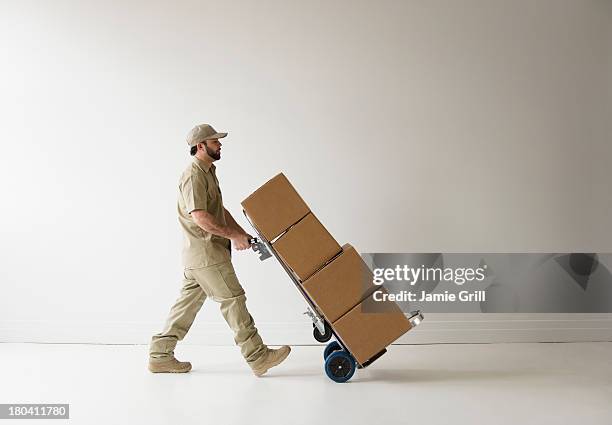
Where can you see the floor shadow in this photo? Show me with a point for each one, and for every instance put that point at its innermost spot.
(438, 375)
(238, 372)
(289, 374)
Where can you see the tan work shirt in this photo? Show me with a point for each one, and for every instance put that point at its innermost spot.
(199, 190)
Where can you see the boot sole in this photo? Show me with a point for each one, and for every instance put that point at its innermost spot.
(154, 369)
(168, 371)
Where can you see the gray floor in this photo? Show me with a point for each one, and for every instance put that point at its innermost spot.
(427, 384)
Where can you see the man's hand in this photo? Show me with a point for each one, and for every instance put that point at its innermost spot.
(241, 242)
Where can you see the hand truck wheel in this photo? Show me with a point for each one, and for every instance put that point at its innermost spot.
(340, 366)
(330, 348)
(322, 337)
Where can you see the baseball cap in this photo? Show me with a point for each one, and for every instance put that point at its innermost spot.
(202, 132)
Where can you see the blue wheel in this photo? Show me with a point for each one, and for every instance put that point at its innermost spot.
(331, 347)
(340, 366)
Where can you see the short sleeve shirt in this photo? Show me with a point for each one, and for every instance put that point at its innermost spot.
(199, 190)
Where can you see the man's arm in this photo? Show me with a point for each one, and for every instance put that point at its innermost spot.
(207, 222)
(231, 222)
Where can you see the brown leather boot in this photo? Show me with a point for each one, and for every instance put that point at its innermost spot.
(170, 365)
(270, 359)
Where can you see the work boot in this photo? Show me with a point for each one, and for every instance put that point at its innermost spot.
(169, 365)
(270, 359)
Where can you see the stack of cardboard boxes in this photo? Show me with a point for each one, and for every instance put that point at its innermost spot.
(335, 278)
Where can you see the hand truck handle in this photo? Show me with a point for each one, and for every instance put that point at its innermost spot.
(260, 248)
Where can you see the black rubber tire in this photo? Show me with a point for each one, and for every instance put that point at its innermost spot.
(322, 337)
(340, 366)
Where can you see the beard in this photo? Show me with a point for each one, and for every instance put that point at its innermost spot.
(216, 155)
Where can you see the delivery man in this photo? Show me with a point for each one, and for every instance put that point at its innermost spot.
(208, 229)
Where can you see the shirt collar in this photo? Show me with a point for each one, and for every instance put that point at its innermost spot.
(203, 165)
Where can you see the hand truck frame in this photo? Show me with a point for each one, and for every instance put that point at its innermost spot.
(340, 364)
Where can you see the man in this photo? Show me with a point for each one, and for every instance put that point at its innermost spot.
(208, 228)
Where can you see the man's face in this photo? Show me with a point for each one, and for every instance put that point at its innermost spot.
(213, 148)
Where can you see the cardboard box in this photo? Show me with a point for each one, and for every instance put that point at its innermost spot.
(366, 333)
(306, 247)
(275, 207)
(341, 284)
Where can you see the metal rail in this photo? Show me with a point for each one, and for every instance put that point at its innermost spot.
(265, 250)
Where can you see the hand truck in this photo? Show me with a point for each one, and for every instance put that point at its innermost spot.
(340, 365)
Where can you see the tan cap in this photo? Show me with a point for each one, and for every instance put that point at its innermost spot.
(202, 132)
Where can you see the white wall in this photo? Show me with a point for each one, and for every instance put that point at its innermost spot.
(476, 126)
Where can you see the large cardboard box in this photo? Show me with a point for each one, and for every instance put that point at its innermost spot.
(341, 284)
(366, 333)
(275, 207)
(306, 247)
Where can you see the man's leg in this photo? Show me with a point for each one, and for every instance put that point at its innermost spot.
(221, 284)
(180, 319)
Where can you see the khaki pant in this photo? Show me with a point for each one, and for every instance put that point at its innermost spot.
(221, 284)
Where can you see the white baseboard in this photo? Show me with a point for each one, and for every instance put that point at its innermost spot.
(436, 328)
(516, 327)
